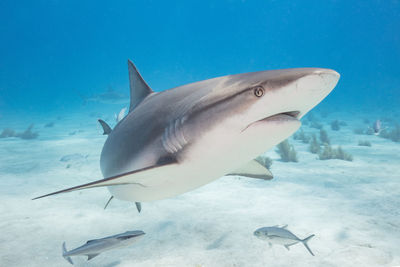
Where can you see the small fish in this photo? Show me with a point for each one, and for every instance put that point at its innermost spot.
(281, 236)
(94, 247)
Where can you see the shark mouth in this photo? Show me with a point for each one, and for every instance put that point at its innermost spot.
(279, 117)
(289, 115)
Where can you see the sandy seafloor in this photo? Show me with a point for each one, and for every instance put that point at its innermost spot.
(353, 208)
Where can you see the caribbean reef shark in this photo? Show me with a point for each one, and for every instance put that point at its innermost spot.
(177, 140)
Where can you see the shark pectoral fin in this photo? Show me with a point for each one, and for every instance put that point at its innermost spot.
(138, 206)
(287, 247)
(142, 177)
(253, 169)
(91, 256)
(138, 87)
(106, 128)
(64, 251)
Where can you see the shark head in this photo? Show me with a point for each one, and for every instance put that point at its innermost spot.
(255, 111)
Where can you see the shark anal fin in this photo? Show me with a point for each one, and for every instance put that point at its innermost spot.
(106, 128)
(138, 206)
(141, 177)
(64, 251)
(138, 87)
(108, 202)
(253, 169)
(91, 256)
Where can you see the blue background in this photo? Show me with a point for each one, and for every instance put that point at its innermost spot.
(52, 50)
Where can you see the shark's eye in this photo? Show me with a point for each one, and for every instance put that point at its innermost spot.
(258, 91)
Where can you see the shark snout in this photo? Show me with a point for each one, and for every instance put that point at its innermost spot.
(310, 89)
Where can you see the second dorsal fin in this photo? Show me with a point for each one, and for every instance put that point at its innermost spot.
(138, 87)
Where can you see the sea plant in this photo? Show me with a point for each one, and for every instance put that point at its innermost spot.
(265, 161)
(314, 145)
(364, 143)
(323, 136)
(302, 136)
(316, 125)
(335, 125)
(287, 152)
(331, 153)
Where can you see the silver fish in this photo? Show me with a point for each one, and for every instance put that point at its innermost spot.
(281, 236)
(94, 247)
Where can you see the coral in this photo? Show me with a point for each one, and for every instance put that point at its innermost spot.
(265, 161)
(330, 153)
(314, 145)
(287, 152)
(323, 136)
(364, 143)
(335, 125)
(300, 135)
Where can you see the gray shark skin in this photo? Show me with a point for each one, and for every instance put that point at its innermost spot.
(281, 236)
(177, 140)
(92, 248)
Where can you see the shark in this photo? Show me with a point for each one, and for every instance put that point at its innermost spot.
(177, 140)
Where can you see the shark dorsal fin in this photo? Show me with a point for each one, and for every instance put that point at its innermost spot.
(138, 87)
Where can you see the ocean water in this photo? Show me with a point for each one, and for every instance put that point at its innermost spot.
(63, 66)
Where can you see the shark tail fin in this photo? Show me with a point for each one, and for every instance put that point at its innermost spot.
(305, 240)
(64, 250)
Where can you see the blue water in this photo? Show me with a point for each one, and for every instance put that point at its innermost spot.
(55, 55)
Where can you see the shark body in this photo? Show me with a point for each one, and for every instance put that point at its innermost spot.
(177, 140)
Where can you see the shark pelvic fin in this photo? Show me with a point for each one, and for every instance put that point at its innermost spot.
(106, 128)
(138, 87)
(142, 177)
(91, 256)
(138, 206)
(253, 169)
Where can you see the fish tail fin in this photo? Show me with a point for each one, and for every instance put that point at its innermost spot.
(64, 250)
(305, 240)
